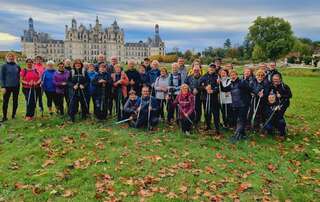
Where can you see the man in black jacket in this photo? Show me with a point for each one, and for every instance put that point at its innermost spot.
(10, 84)
(210, 88)
(133, 76)
(103, 85)
(272, 71)
(282, 91)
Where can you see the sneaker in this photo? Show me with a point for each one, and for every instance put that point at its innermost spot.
(4, 119)
(207, 128)
(28, 118)
(187, 133)
(218, 133)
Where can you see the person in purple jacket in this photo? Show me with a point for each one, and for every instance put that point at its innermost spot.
(60, 79)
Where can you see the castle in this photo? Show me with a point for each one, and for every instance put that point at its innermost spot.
(86, 43)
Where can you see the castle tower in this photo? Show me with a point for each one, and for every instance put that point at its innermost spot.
(30, 24)
(74, 23)
(157, 29)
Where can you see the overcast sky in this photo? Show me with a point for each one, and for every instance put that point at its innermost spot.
(187, 24)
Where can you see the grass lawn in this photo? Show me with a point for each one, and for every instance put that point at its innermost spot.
(51, 160)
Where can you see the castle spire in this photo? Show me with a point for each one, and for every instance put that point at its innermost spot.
(30, 23)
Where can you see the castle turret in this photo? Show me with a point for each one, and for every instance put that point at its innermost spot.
(157, 29)
(30, 24)
(74, 23)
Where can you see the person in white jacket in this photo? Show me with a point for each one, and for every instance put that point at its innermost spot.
(161, 86)
(226, 99)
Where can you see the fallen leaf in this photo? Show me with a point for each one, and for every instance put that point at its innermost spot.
(68, 193)
(219, 156)
(47, 163)
(271, 167)
(243, 187)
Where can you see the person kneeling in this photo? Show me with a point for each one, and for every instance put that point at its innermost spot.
(275, 119)
(131, 112)
(185, 102)
(148, 110)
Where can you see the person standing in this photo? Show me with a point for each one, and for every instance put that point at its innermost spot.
(182, 70)
(110, 67)
(193, 81)
(31, 80)
(161, 89)
(60, 79)
(91, 89)
(48, 86)
(38, 65)
(133, 76)
(100, 59)
(120, 93)
(146, 63)
(102, 83)
(175, 81)
(210, 89)
(10, 84)
(78, 84)
(226, 100)
(239, 88)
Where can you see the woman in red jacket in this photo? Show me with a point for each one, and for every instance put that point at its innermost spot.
(30, 78)
(185, 101)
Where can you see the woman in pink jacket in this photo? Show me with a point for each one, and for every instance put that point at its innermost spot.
(185, 102)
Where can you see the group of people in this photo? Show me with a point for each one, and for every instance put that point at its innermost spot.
(144, 96)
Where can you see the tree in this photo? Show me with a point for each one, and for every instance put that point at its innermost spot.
(272, 35)
(258, 54)
(188, 55)
(227, 44)
(302, 47)
(232, 53)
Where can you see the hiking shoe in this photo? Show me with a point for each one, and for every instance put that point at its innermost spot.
(4, 119)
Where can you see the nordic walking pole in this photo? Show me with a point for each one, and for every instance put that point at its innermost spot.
(84, 98)
(149, 110)
(186, 115)
(255, 112)
(35, 98)
(249, 110)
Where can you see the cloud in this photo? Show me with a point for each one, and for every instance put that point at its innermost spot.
(8, 41)
(186, 24)
(8, 38)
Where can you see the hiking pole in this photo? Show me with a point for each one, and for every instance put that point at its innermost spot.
(84, 98)
(278, 107)
(186, 115)
(255, 112)
(138, 113)
(149, 112)
(123, 121)
(102, 97)
(35, 99)
(29, 96)
(249, 110)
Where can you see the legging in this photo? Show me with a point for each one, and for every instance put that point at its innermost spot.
(6, 98)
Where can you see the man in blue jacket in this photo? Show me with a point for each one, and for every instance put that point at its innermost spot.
(10, 84)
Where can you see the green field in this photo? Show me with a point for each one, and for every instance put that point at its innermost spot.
(51, 160)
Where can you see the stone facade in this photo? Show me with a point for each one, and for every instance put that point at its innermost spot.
(86, 43)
